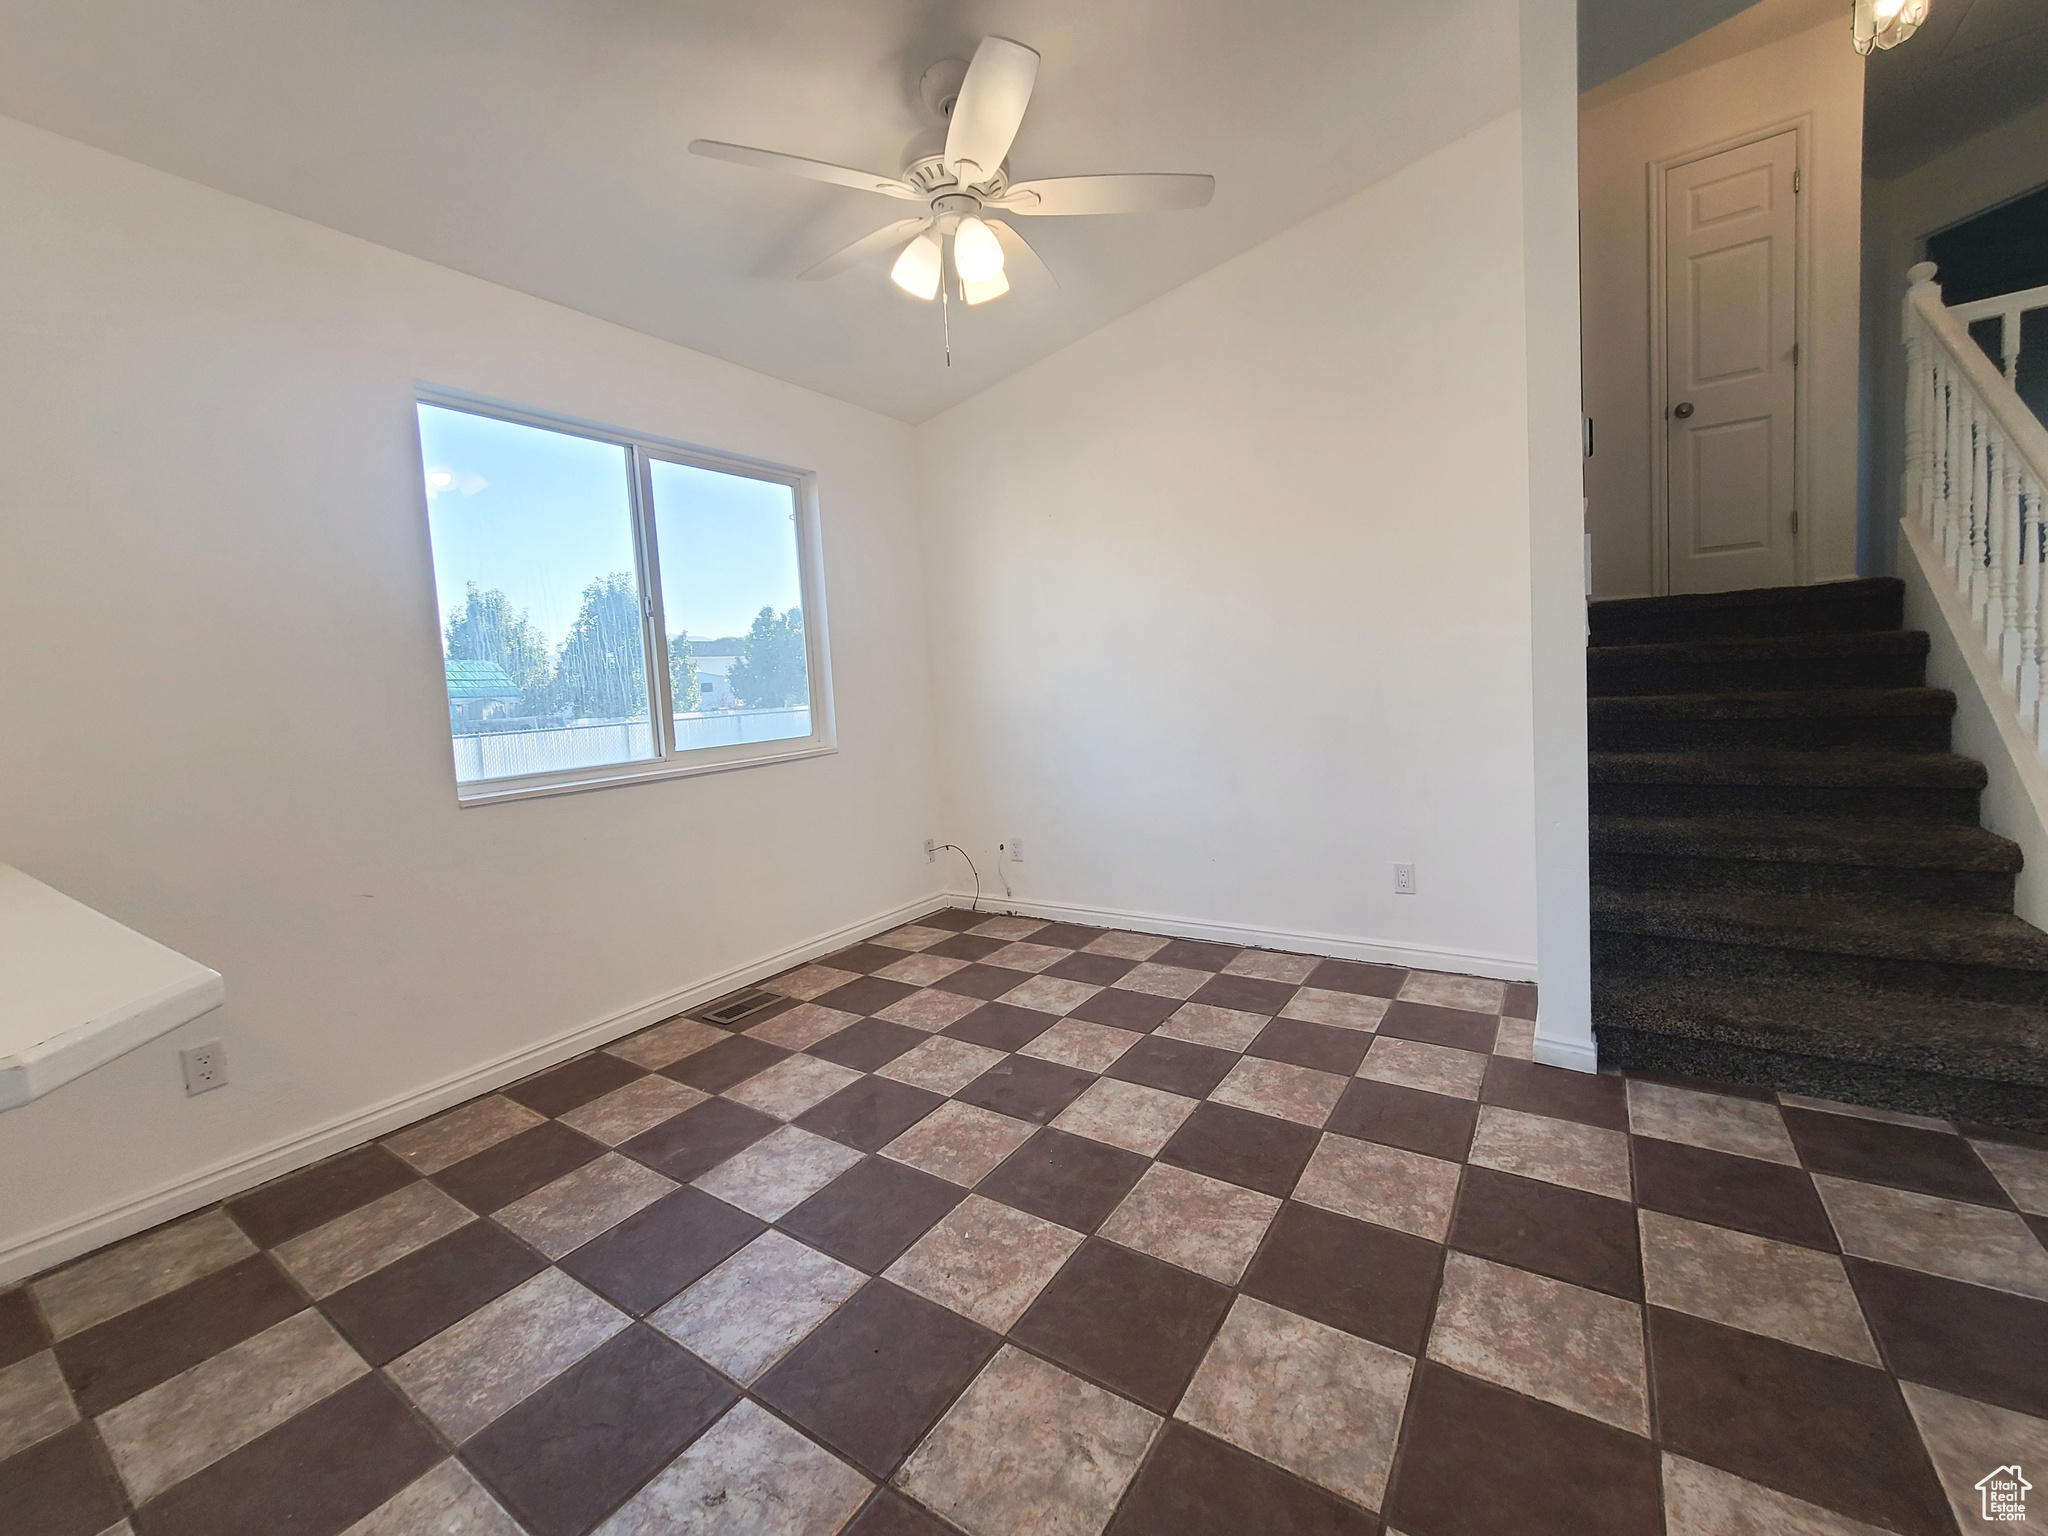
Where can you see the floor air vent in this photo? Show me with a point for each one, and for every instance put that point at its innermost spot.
(746, 1005)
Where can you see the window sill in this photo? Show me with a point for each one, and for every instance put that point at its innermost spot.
(492, 791)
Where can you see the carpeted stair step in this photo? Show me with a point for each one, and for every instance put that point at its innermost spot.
(1943, 863)
(1898, 719)
(1876, 603)
(1732, 941)
(1856, 783)
(1893, 658)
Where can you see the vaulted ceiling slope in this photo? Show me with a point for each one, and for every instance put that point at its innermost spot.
(541, 143)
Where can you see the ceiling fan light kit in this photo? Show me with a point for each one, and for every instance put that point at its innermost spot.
(1884, 24)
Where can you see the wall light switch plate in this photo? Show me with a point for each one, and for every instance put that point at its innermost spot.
(206, 1067)
(1404, 879)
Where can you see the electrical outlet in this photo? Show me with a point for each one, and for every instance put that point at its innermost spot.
(1016, 851)
(1404, 879)
(206, 1067)
(931, 850)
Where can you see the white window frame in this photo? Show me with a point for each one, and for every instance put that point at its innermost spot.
(668, 763)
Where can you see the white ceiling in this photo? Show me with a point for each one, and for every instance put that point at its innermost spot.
(540, 143)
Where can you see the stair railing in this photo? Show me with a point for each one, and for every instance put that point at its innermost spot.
(1976, 466)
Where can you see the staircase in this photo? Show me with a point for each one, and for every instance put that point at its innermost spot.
(1790, 885)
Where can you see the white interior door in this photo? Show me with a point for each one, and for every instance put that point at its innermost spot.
(1731, 260)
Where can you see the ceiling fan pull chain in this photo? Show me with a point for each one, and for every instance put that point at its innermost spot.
(946, 318)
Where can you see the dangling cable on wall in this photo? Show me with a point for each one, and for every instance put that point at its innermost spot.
(970, 865)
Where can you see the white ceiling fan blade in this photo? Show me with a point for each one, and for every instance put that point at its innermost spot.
(868, 245)
(1020, 262)
(990, 108)
(1142, 193)
(814, 170)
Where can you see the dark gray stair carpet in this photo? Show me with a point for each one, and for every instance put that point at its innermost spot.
(1900, 719)
(1841, 606)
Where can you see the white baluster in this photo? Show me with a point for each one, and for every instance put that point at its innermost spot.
(1980, 531)
(2007, 501)
(1995, 571)
(2027, 683)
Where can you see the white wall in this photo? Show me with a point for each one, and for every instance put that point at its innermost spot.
(1646, 117)
(215, 544)
(1235, 593)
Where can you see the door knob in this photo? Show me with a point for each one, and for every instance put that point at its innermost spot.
(1682, 410)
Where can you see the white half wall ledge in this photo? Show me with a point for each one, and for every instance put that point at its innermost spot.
(78, 989)
(35, 1252)
(1568, 1051)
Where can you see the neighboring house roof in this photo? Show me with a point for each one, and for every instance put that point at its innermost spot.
(714, 666)
(479, 680)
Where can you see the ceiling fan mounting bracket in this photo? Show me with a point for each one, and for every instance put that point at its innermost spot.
(940, 87)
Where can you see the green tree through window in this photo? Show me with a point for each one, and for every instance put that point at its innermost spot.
(770, 672)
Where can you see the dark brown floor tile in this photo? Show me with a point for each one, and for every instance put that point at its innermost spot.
(1322, 1046)
(655, 1253)
(1025, 1088)
(1247, 994)
(1479, 1460)
(561, 1089)
(579, 1445)
(1520, 1001)
(2039, 1224)
(1095, 970)
(871, 994)
(1903, 1156)
(1820, 1428)
(131, 1353)
(1240, 1147)
(870, 1113)
(517, 1166)
(1176, 1066)
(888, 1513)
(301, 1201)
(313, 1475)
(867, 1045)
(876, 1374)
(1567, 1234)
(966, 946)
(1067, 935)
(954, 919)
(1196, 955)
(1587, 1097)
(1431, 1123)
(21, 1329)
(982, 981)
(1745, 1193)
(726, 1064)
(700, 1138)
(1980, 1343)
(1455, 1027)
(408, 1302)
(1134, 1324)
(1127, 1010)
(1001, 1026)
(2035, 1139)
(1351, 976)
(1368, 1280)
(872, 1212)
(864, 959)
(57, 1488)
(1073, 1180)
(1194, 1485)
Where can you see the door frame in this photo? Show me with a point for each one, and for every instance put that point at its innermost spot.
(1802, 320)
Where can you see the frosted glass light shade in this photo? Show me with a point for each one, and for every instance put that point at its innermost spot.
(917, 270)
(977, 254)
(1886, 23)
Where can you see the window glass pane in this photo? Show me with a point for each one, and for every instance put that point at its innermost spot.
(540, 601)
(733, 605)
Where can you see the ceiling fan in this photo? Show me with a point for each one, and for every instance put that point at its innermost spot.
(959, 172)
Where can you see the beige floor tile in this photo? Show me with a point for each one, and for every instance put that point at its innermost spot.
(1163, 980)
(1972, 1243)
(141, 1269)
(1700, 1500)
(1419, 1064)
(1202, 1024)
(1127, 946)
(1541, 1337)
(364, 1240)
(2022, 1170)
(941, 1064)
(777, 1173)
(804, 1025)
(1387, 1186)
(1558, 1151)
(913, 937)
(1863, 1112)
(1474, 993)
(445, 1502)
(561, 1217)
(1720, 1122)
(809, 981)
(1127, 1115)
(753, 1309)
(666, 1044)
(1966, 1439)
(792, 1086)
(929, 1011)
(1345, 1010)
(1280, 1089)
(463, 1132)
(625, 1112)
(750, 1474)
(1270, 965)
(959, 1142)
(985, 1261)
(1517, 1038)
(1199, 1223)
(1049, 994)
(1026, 957)
(1029, 1447)
(1077, 1043)
(1007, 927)
(920, 970)
(468, 1375)
(1317, 1401)
(189, 1422)
(34, 1403)
(1767, 1287)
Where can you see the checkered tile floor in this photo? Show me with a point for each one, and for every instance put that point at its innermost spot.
(1004, 1226)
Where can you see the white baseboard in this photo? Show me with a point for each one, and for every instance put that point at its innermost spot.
(1417, 957)
(38, 1251)
(1574, 1054)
